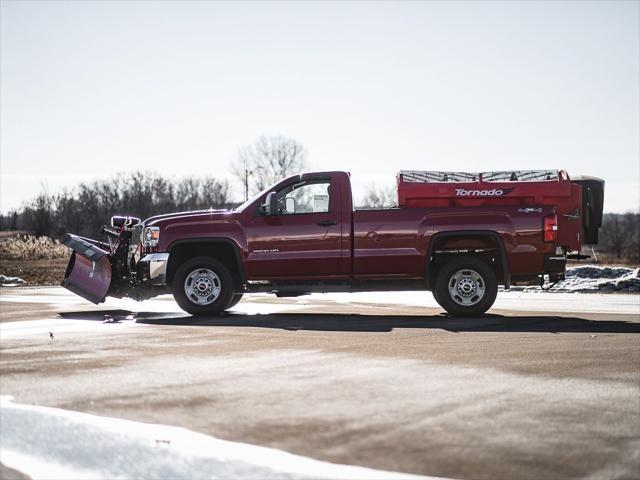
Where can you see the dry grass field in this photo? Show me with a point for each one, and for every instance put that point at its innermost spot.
(35, 272)
(28, 247)
(37, 260)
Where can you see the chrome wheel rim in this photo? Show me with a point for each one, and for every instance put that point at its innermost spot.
(202, 286)
(466, 287)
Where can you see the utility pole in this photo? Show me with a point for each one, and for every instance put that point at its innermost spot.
(246, 182)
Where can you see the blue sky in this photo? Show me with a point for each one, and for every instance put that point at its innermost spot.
(93, 88)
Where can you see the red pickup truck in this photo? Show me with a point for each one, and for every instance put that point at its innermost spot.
(456, 234)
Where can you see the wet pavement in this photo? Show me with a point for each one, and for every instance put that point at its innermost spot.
(379, 382)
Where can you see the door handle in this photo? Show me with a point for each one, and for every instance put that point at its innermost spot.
(575, 215)
(327, 223)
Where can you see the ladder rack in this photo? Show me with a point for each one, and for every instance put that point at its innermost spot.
(420, 176)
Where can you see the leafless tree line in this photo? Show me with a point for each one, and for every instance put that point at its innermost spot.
(264, 162)
(620, 236)
(85, 209)
(377, 197)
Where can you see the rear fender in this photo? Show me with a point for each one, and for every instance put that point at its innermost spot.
(504, 273)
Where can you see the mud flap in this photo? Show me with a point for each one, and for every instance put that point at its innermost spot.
(88, 273)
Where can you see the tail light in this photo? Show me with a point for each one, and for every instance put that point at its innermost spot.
(550, 228)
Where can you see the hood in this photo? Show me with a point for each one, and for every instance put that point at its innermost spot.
(180, 215)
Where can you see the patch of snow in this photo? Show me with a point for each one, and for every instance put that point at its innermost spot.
(533, 299)
(592, 278)
(518, 301)
(6, 281)
(567, 302)
(48, 442)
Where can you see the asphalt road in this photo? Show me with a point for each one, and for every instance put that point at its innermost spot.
(526, 392)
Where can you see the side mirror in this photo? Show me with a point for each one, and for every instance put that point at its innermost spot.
(290, 204)
(270, 206)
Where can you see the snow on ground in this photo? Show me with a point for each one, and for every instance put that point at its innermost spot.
(585, 278)
(595, 278)
(6, 281)
(41, 328)
(525, 302)
(48, 442)
(253, 304)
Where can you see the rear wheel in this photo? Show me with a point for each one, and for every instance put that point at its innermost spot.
(466, 286)
(202, 286)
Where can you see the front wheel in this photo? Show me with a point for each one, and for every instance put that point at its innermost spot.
(466, 286)
(234, 300)
(202, 286)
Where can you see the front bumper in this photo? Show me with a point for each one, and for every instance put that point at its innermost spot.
(152, 269)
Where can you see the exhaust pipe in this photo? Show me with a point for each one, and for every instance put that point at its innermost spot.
(88, 273)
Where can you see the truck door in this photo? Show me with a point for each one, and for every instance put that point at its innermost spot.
(303, 239)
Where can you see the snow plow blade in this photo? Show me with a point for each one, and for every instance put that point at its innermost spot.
(88, 273)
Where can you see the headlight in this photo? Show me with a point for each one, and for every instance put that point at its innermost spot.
(150, 236)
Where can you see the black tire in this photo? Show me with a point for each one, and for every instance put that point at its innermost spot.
(435, 295)
(466, 286)
(203, 273)
(433, 289)
(235, 299)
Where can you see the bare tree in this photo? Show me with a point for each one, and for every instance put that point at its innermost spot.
(631, 222)
(142, 194)
(613, 237)
(268, 160)
(620, 235)
(38, 214)
(9, 221)
(378, 197)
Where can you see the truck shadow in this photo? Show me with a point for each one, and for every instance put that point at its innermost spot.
(330, 322)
